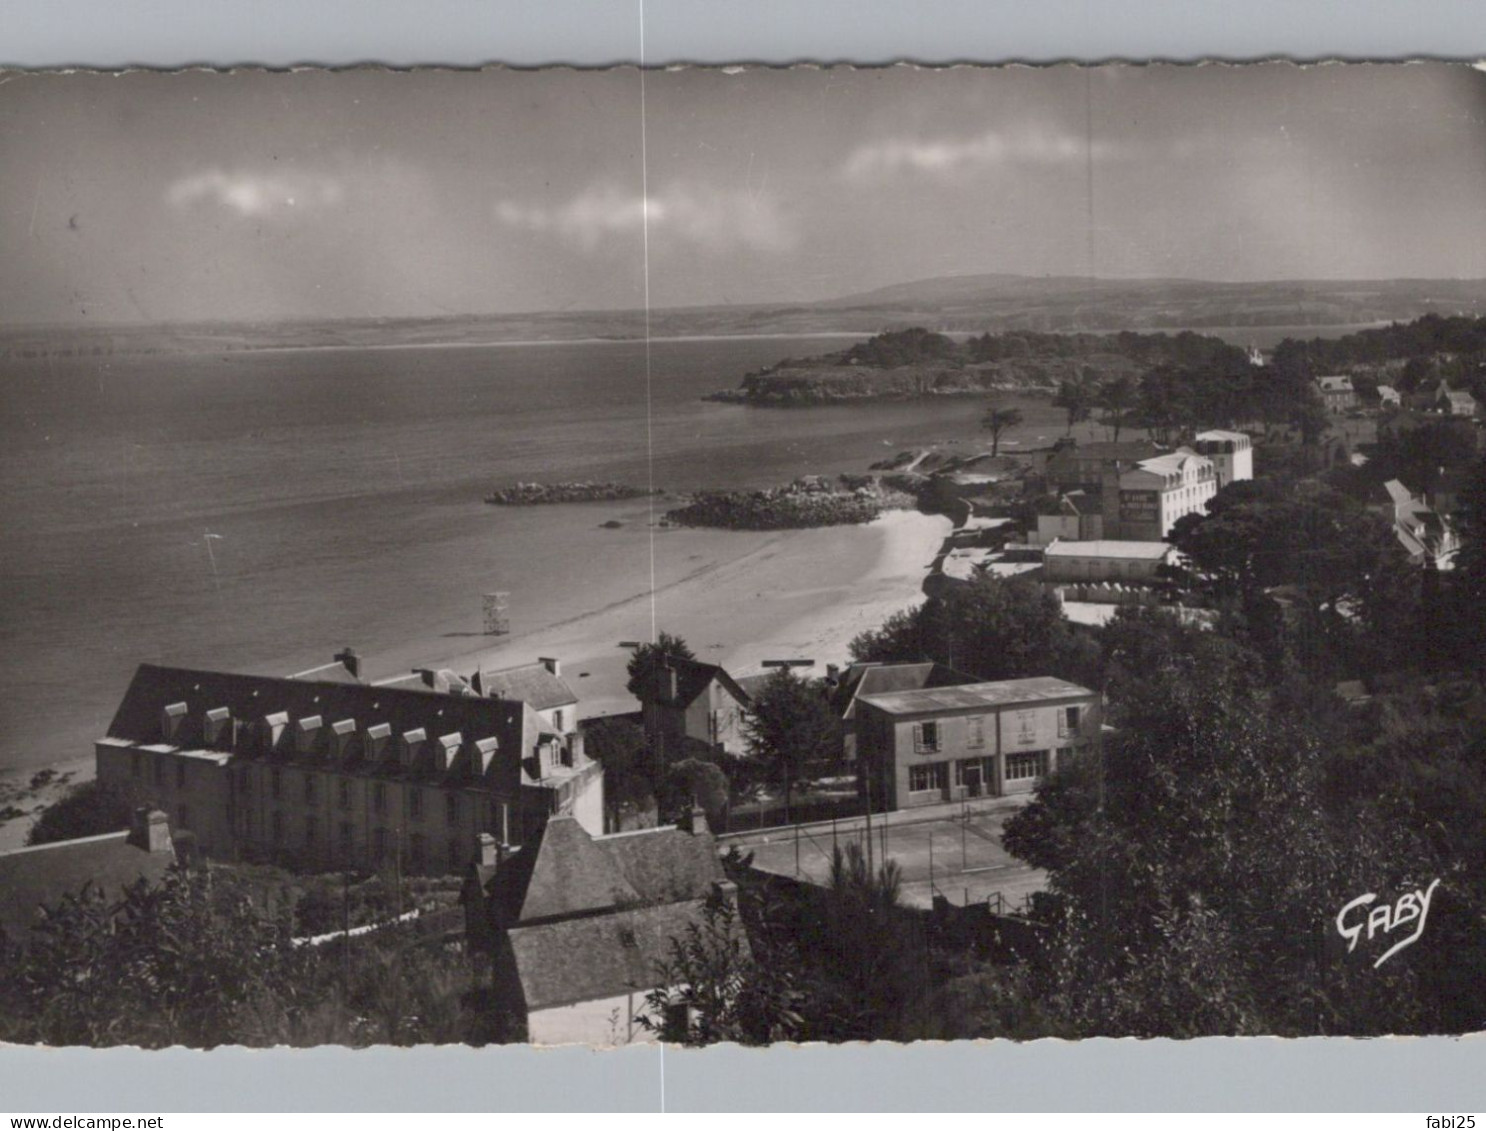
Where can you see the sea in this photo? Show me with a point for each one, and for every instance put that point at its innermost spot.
(256, 510)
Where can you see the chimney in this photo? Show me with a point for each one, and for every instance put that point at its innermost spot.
(351, 660)
(695, 822)
(725, 891)
(833, 672)
(149, 829)
(552, 665)
(490, 850)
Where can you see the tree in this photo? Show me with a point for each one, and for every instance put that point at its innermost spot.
(620, 747)
(648, 660)
(1194, 868)
(87, 809)
(996, 421)
(1116, 397)
(1076, 397)
(993, 628)
(713, 988)
(790, 729)
(691, 782)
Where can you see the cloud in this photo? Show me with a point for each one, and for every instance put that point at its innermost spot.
(256, 194)
(713, 219)
(945, 157)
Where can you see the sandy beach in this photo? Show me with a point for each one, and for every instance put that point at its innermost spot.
(736, 598)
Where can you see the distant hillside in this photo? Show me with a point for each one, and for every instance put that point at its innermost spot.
(966, 303)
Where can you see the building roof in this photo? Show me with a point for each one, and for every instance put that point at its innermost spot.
(568, 871)
(1172, 463)
(1106, 548)
(1460, 400)
(885, 679)
(1221, 434)
(534, 683)
(595, 957)
(1340, 383)
(254, 701)
(335, 672)
(694, 677)
(442, 680)
(1003, 693)
(33, 878)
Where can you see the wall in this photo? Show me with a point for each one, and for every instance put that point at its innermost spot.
(887, 745)
(603, 1023)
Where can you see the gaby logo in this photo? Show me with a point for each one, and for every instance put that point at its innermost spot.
(1385, 919)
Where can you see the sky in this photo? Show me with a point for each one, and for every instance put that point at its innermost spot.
(253, 196)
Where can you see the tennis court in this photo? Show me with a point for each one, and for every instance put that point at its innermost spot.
(950, 850)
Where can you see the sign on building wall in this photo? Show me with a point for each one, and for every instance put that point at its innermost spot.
(1140, 506)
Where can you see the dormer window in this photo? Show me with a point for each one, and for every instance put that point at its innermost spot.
(307, 734)
(377, 740)
(216, 729)
(271, 729)
(410, 747)
(338, 739)
(171, 719)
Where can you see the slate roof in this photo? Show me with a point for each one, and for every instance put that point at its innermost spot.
(335, 672)
(530, 683)
(970, 696)
(31, 878)
(586, 959)
(884, 679)
(568, 871)
(250, 698)
(441, 680)
(693, 677)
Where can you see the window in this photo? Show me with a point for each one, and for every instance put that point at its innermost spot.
(1023, 767)
(277, 826)
(136, 765)
(343, 791)
(451, 808)
(245, 783)
(922, 779)
(926, 737)
(1068, 721)
(309, 789)
(183, 816)
(379, 797)
(416, 854)
(415, 803)
(180, 775)
(157, 771)
(276, 784)
(311, 828)
(346, 840)
(379, 844)
(453, 854)
(557, 719)
(975, 731)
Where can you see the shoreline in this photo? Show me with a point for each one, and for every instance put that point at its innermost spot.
(806, 593)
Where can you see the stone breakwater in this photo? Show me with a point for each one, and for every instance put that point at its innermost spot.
(539, 494)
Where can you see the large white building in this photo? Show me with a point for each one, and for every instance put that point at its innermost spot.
(1158, 491)
(1232, 454)
(323, 771)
